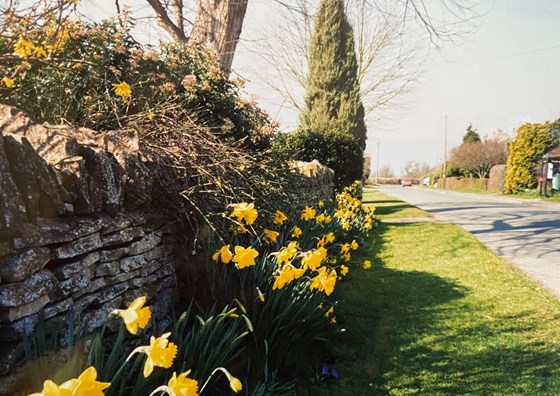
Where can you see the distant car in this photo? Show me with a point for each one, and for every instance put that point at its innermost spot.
(406, 182)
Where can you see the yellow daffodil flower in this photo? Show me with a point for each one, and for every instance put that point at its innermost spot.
(321, 204)
(270, 235)
(287, 274)
(123, 90)
(308, 213)
(329, 238)
(329, 312)
(354, 245)
(261, 296)
(160, 353)
(313, 259)
(245, 212)
(85, 385)
(296, 232)
(135, 316)
(245, 257)
(181, 385)
(284, 255)
(224, 254)
(367, 264)
(324, 281)
(343, 270)
(280, 217)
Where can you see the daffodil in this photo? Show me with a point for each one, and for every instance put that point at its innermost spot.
(329, 312)
(329, 238)
(123, 90)
(280, 217)
(284, 255)
(136, 315)
(296, 232)
(234, 383)
(261, 296)
(181, 385)
(245, 257)
(52, 389)
(245, 212)
(367, 264)
(160, 353)
(308, 213)
(321, 204)
(224, 254)
(8, 82)
(270, 235)
(324, 281)
(313, 259)
(287, 274)
(85, 385)
(354, 245)
(343, 270)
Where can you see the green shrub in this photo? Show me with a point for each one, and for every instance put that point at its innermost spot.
(531, 142)
(339, 151)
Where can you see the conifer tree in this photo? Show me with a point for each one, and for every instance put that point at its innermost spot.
(332, 100)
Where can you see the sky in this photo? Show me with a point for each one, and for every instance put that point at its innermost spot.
(501, 75)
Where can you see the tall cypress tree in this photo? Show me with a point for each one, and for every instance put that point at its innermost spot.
(332, 99)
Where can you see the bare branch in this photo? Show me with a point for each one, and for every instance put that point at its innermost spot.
(165, 22)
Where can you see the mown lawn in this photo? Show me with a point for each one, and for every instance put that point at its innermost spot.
(439, 314)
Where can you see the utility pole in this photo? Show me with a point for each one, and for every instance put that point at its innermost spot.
(445, 154)
(377, 165)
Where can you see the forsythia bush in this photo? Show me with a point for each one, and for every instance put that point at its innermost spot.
(531, 142)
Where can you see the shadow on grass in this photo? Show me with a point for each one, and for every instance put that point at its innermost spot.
(388, 206)
(409, 333)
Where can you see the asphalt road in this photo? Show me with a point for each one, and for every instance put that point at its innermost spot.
(526, 233)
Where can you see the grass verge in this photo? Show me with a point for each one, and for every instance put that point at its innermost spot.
(440, 314)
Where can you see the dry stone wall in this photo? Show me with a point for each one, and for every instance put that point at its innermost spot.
(78, 236)
(310, 183)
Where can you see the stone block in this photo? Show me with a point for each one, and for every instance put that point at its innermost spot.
(94, 318)
(16, 330)
(11, 354)
(12, 207)
(123, 277)
(55, 308)
(106, 269)
(33, 287)
(94, 285)
(111, 292)
(143, 280)
(73, 284)
(42, 193)
(67, 270)
(14, 313)
(98, 163)
(49, 232)
(150, 241)
(113, 254)
(78, 247)
(83, 302)
(150, 267)
(19, 266)
(132, 263)
(166, 282)
(122, 236)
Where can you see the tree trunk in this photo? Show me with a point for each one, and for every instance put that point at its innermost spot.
(218, 25)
